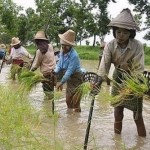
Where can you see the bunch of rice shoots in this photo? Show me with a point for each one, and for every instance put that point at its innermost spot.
(84, 89)
(133, 85)
(136, 84)
(29, 79)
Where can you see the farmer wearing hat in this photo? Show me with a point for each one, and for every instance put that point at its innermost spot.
(69, 67)
(127, 55)
(18, 56)
(45, 60)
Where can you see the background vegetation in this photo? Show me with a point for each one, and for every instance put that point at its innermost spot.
(88, 18)
(92, 53)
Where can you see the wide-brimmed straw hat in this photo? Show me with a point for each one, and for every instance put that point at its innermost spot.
(15, 41)
(40, 35)
(68, 38)
(124, 20)
(3, 46)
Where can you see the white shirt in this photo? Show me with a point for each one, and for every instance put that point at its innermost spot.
(19, 53)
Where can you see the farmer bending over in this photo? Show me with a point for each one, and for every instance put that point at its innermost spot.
(17, 56)
(45, 60)
(69, 67)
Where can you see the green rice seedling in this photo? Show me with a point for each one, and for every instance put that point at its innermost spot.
(133, 84)
(58, 95)
(136, 83)
(20, 127)
(104, 98)
(84, 89)
(29, 79)
(16, 117)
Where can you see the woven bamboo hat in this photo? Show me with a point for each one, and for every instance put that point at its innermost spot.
(3, 46)
(68, 38)
(15, 41)
(124, 20)
(40, 35)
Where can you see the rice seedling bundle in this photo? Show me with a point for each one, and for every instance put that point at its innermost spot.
(29, 79)
(132, 85)
(84, 89)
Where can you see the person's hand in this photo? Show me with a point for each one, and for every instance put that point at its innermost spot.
(126, 66)
(96, 85)
(59, 87)
(9, 61)
(30, 60)
(33, 69)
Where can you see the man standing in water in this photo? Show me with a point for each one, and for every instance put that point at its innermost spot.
(127, 55)
(45, 60)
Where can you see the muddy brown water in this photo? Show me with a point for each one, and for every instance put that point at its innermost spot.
(71, 127)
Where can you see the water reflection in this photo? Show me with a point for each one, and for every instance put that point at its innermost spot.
(71, 127)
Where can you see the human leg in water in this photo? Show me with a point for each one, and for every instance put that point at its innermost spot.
(118, 114)
(76, 101)
(138, 119)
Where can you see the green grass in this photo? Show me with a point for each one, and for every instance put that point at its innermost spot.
(85, 52)
(92, 53)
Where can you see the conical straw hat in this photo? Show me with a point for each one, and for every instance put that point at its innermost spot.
(15, 41)
(40, 35)
(68, 37)
(124, 20)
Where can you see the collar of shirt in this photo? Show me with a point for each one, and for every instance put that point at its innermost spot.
(66, 56)
(128, 46)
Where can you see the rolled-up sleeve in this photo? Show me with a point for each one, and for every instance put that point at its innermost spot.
(37, 60)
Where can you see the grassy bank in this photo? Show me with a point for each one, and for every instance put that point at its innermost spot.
(92, 53)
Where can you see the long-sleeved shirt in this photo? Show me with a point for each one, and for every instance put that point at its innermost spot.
(19, 53)
(46, 61)
(133, 55)
(69, 62)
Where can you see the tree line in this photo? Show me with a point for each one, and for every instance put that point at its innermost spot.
(88, 18)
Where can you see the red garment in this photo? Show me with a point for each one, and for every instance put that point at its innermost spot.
(17, 61)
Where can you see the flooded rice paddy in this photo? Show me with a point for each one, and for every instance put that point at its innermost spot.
(70, 127)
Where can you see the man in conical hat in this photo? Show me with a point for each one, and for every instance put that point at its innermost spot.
(18, 56)
(69, 67)
(45, 60)
(127, 55)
